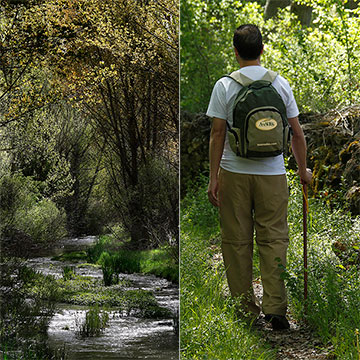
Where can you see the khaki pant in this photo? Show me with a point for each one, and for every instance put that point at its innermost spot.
(260, 202)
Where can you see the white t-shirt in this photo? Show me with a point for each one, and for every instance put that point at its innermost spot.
(221, 106)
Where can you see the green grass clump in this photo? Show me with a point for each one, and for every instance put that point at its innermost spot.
(71, 256)
(103, 243)
(68, 272)
(110, 275)
(95, 322)
(159, 263)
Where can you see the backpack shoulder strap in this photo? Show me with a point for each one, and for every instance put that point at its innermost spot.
(270, 76)
(243, 80)
(240, 78)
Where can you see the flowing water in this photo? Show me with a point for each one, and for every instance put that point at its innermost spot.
(126, 337)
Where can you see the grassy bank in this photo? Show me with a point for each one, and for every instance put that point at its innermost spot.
(210, 328)
(333, 271)
(106, 253)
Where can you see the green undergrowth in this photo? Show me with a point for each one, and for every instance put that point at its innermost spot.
(159, 263)
(27, 305)
(209, 326)
(333, 271)
(71, 256)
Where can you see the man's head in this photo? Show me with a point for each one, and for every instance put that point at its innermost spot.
(248, 42)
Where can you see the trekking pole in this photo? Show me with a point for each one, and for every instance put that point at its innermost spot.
(305, 212)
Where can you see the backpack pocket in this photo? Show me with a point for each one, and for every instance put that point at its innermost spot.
(265, 132)
(235, 142)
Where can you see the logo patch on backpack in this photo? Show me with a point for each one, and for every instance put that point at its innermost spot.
(266, 124)
(260, 127)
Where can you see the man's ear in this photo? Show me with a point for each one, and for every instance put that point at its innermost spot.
(236, 52)
(262, 50)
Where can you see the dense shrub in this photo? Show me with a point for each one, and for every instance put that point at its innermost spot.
(149, 209)
(26, 218)
(43, 222)
(16, 192)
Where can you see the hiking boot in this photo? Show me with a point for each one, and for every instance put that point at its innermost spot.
(278, 322)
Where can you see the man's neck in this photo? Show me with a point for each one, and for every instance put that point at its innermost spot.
(244, 63)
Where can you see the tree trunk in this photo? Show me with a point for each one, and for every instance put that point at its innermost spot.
(272, 6)
(303, 13)
(139, 235)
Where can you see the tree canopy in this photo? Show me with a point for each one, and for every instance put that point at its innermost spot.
(321, 61)
(89, 108)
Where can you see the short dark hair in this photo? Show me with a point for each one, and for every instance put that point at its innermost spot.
(248, 41)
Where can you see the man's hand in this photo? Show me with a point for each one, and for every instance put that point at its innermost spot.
(298, 144)
(213, 192)
(306, 176)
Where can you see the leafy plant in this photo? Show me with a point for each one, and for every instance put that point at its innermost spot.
(68, 272)
(110, 275)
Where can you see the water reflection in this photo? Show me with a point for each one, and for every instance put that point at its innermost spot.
(125, 338)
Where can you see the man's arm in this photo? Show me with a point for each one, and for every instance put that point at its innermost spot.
(216, 147)
(298, 145)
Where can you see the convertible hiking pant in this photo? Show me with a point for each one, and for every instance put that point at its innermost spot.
(260, 202)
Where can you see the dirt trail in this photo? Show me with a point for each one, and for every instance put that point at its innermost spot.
(298, 342)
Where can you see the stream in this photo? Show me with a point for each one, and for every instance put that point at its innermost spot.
(125, 338)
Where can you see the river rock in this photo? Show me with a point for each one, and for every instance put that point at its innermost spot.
(333, 141)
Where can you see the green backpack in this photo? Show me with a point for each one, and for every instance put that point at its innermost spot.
(260, 127)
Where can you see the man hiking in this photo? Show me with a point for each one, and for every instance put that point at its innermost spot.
(249, 184)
